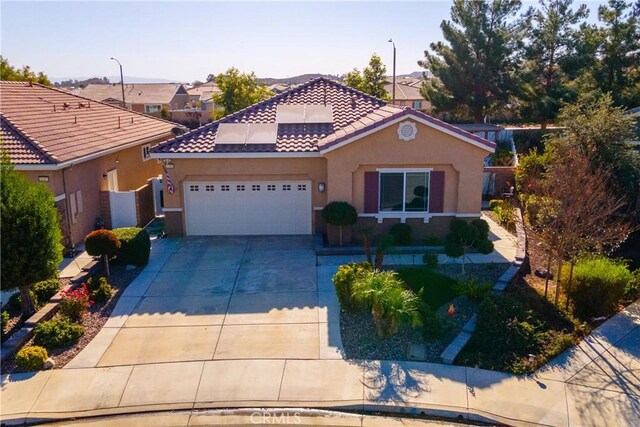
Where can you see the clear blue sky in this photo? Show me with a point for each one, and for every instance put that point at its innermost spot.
(188, 40)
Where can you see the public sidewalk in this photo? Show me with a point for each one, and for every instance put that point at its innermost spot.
(595, 383)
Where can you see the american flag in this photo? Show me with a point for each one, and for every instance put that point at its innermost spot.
(170, 188)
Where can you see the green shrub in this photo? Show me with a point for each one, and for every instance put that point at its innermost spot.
(75, 303)
(339, 213)
(46, 289)
(482, 226)
(493, 204)
(15, 301)
(135, 246)
(431, 322)
(5, 321)
(401, 234)
(343, 281)
(99, 288)
(433, 241)
(507, 332)
(473, 289)
(31, 358)
(102, 242)
(57, 333)
(484, 246)
(456, 224)
(430, 260)
(598, 285)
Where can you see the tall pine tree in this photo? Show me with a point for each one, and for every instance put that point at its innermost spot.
(474, 69)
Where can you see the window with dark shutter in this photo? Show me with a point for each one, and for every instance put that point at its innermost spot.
(371, 183)
(436, 195)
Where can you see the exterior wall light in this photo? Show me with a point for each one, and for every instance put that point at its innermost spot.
(43, 178)
(321, 187)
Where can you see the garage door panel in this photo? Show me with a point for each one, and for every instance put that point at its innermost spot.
(251, 207)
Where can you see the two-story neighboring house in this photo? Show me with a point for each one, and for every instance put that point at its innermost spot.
(147, 98)
(94, 157)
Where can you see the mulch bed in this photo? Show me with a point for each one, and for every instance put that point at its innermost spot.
(93, 321)
(360, 340)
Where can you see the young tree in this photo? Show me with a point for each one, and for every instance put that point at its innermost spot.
(9, 73)
(238, 90)
(102, 243)
(29, 234)
(372, 80)
(474, 69)
(464, 237)
(551, 30)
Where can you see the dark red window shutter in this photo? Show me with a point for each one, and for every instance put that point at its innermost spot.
(436, 192)
(371, 183)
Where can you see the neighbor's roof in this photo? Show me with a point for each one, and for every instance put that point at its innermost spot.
(354, 113)
(205, 88)
(404, 92)
(479, 127)
(134, 93)
(44, 125)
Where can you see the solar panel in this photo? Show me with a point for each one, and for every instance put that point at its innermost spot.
(290, 113)
(262, 133)
(318, 114)
(247, 133)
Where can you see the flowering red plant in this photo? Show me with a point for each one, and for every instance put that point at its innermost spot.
(75, 302)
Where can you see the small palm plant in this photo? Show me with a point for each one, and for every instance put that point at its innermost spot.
(391, 304)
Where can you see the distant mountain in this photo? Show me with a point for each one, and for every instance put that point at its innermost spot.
(295, 80)
(116, 79)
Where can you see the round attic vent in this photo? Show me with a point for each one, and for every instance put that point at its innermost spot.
(407, 131)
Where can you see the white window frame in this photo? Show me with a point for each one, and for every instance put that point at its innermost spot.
(146, 152)
(79, 204)
(403, 215)
(413, 105)
(155, 107)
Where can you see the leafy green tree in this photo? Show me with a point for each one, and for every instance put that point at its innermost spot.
(372, 80)
(9, 73)
(102, 243)
(29, 232)
(465, 236)
(474, 69)
(551, 30)
(238, 90)
(340, 214)
(354, 79)
(601, 131)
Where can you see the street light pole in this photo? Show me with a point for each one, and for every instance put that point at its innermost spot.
(121, 82)
(393, 96)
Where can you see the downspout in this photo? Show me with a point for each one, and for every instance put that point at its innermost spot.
(68, 211)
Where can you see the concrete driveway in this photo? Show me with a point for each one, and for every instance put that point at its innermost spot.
(221, 298)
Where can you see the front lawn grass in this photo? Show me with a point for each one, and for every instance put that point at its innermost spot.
(438, 289)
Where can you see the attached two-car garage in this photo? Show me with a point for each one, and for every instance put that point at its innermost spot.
(248, 207)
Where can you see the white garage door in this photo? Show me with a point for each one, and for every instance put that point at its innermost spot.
(248, 207)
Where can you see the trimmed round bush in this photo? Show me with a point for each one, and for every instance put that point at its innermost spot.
(484, 246)
(31, 358)
(401, 234)
(598, 285)
(102, 242)
(482, 226)
(456, 224)
(135, 245)
(339, 213)
(57, 333)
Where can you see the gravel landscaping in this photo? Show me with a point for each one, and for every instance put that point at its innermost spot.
(359, 336)
(93, 321)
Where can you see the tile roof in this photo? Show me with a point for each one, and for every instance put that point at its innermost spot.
(44, 125)
(205, 88)
(353, 112)
(404, 92)
(134, 93)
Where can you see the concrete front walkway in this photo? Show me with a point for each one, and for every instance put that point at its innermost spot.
(168, 357)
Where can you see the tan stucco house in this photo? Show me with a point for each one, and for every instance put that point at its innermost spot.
(147, 98)
(93, 156)
(272, 167)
